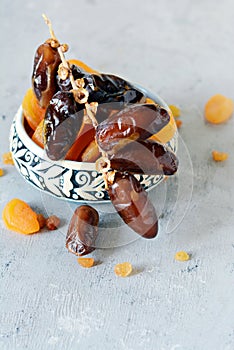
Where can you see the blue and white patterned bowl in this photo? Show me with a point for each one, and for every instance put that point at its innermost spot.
(69, 180)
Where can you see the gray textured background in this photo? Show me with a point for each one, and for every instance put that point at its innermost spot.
(182, 50)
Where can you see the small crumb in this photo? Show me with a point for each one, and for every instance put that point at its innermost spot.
(182, 256)
(123, 270)
(219, 156)
(52, 223)
(86, 262)
(175, 111)
(42, 220)
(1, 172)
(7, 158)
(178, 123)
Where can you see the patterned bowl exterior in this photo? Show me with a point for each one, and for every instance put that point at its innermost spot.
(69, 180)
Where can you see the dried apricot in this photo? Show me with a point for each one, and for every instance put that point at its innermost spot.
(32, 111)
(123, 270)
(218, 109)
(18, 216)
(149, 100)
(178, 123)
(1, 172)
(182, 256)
(175, 111)
(219, 156)
(52, 223)
(7, 158)
(166, 134)
(86, 262)
(38, 135)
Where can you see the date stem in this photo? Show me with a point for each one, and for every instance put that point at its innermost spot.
(91, 110)
(67, 66)
(49, 24)
(79, 92)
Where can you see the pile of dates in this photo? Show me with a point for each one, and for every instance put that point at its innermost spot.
(118, 134)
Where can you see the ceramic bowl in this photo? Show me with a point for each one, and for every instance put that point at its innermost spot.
(68, 180)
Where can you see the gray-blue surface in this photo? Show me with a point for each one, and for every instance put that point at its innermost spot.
(182, 50)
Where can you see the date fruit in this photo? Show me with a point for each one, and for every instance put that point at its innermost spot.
(111, 88)
(109, 91)
(132, 204)
(132, 123)
(102, 88)
(145, 157)
(82, 231)
(46, 62)
(63, 120)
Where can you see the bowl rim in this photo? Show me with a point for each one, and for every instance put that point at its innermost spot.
(69, 164)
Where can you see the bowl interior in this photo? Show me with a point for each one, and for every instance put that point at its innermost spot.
(69, 180)
(33, 147)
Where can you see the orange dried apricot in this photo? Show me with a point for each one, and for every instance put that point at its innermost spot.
(32, 111)
(182, 256)
(83, 66)
(149, 100)
(38, 135)
(219, 156)
(218, 109)
(175, 111)
(1, 172)
(123, 270)
(18, 216)
(166, 134)
(86, 262)
(7, 158)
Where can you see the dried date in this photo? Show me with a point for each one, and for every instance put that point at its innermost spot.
(63, 120)
(132, 204)
(102, 88)
(145, 157)
(132, 123)
(82, 231)
(109, 91)
(46, 62)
